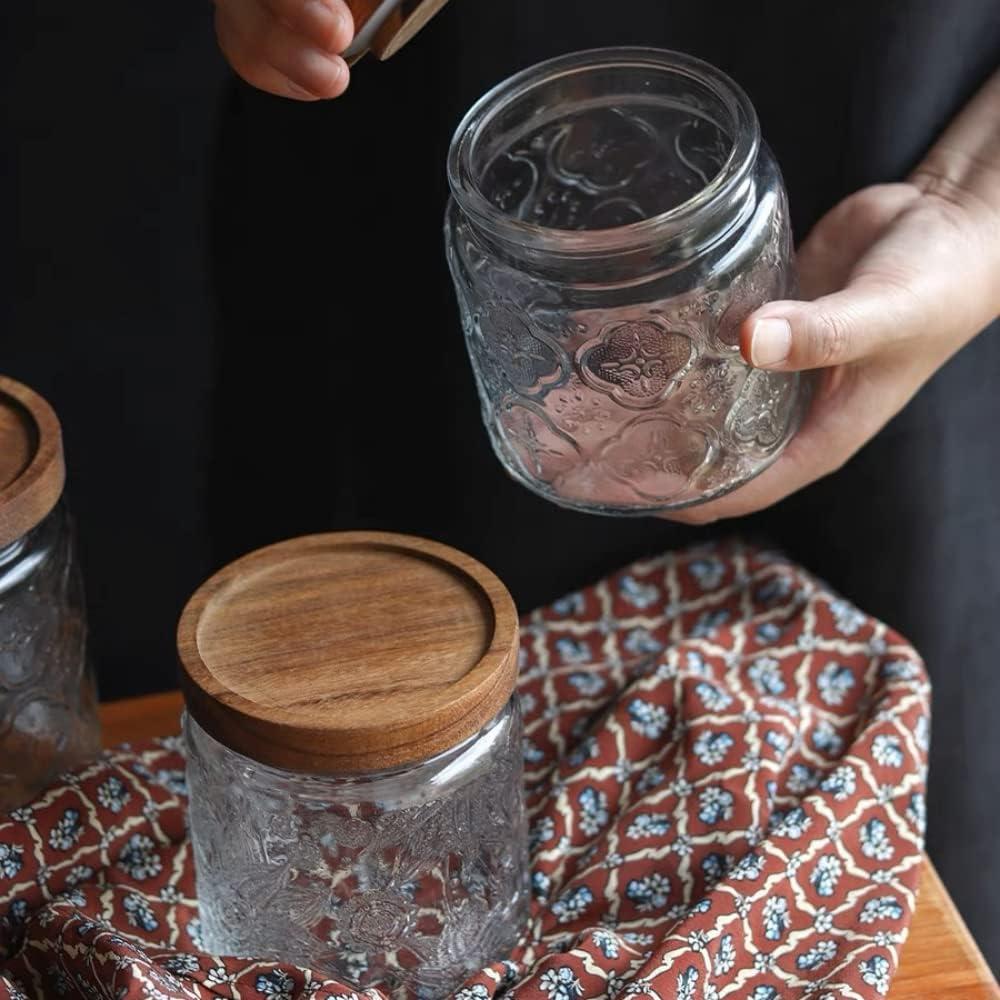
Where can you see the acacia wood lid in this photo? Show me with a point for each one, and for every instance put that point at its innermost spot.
(348, 652)
(385, 26)
(32, 468)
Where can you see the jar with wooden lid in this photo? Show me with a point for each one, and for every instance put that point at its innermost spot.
(48, 704)
(354, 760)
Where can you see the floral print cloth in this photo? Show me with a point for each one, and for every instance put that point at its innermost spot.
(725, 766)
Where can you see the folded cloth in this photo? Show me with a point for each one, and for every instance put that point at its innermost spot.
(725, 767)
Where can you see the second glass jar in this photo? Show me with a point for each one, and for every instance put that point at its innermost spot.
(354, 761)
(48, 694)
(615, 217)
(406, 879)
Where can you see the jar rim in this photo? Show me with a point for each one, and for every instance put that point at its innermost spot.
(430, 768)
(675, 221)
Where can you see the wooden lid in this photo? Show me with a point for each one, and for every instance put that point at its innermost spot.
(385, 26)
(32, 470)
(348, 652)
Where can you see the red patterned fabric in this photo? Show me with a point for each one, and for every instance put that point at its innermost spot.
(726, 772)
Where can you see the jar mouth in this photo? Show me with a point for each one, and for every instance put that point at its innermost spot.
(517, 107)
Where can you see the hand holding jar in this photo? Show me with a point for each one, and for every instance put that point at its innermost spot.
(611, 269)
(901, 277)
(615, 218)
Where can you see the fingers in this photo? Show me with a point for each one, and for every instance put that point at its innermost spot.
(829, 255)
(327, 24)
(847, 409)
(858, 322)
(270, 55)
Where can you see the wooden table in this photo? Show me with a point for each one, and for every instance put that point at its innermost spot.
(940, 959)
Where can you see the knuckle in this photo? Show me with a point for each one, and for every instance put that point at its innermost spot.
(831, 337)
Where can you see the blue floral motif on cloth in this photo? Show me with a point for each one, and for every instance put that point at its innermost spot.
(725, 770)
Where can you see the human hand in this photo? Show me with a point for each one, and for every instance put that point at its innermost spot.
(901, 276)
(287, 47)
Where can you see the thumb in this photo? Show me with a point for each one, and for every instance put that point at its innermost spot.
(857, 322)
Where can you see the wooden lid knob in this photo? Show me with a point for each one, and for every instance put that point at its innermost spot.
(348, 652)
(32, 469)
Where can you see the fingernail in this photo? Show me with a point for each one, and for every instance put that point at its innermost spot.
(770, 342)
(299, 93)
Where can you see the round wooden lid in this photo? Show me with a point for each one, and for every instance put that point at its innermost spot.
(348, 652)
(32, 470)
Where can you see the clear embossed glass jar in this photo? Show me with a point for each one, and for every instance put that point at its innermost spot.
(48, 704)
(615, 217)
(354, 760)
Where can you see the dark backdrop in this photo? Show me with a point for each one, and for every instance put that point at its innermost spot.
(110, 114)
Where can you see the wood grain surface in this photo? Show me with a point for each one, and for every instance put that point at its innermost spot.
(350, 651)
(940, 958)
(32, 472)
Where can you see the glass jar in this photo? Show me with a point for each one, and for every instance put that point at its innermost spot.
(615, 217)
(48, 703)
(354, 761)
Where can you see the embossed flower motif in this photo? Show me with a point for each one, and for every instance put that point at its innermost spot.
(763, 410)
(637, 363)
(375, 920)
(524, 357)
(602, 151)
(711, 388)
(657, 457)
(347, 831)
(541, 449)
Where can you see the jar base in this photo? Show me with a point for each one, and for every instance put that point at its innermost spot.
(653, 509)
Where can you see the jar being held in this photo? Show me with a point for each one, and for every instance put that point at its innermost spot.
(615, 217)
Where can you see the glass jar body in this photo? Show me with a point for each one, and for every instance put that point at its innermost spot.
(604, 337)
(48, 703)
(406, 879)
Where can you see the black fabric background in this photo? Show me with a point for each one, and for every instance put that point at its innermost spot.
(240, 308)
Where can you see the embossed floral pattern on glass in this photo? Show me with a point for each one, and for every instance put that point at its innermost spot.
(48, 705)
(407, 880)
(615, 218)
